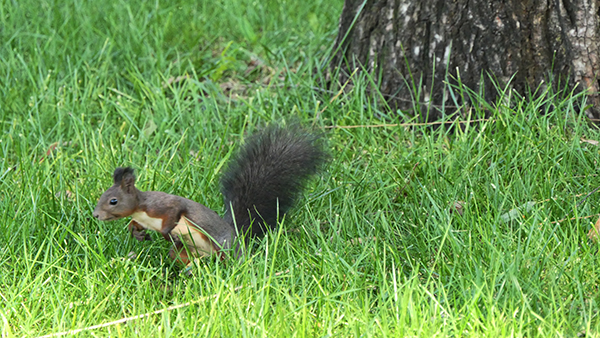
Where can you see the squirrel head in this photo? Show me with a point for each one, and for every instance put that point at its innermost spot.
(120, 200)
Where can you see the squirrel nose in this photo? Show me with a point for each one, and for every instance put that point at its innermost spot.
(96, 215)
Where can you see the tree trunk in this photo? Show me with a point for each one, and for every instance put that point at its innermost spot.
(419, 42)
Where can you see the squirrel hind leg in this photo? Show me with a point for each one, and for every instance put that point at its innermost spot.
(180, 254)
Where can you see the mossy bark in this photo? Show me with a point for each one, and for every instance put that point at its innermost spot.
(408, 43)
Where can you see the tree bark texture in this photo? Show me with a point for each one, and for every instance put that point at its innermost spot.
(518, 41)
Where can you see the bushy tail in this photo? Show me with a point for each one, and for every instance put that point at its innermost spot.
(264, 178)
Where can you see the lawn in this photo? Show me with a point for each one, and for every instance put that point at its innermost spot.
(412, 230)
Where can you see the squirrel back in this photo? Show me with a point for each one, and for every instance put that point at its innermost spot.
(263, 179)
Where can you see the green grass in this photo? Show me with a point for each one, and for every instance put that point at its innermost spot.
(373, 247)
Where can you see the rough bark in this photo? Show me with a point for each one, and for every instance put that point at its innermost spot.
(521, 41)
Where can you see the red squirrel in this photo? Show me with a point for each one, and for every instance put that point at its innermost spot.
(260, 183)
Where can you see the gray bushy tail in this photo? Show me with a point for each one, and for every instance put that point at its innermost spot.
(267, 174)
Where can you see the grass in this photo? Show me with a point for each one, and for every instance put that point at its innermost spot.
(373, 248)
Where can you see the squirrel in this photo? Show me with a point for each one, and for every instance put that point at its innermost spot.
(260, 184)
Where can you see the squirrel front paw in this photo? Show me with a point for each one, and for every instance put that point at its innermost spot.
(138, 232)
(141, 235)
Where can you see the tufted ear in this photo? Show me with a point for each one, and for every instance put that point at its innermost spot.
(125, 178)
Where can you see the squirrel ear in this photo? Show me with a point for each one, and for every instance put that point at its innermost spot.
(125, 178)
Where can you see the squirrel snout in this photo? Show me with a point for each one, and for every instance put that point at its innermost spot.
(103, 216)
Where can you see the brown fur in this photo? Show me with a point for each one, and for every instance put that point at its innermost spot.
(160, 207)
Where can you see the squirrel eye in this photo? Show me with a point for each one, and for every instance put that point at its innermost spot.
(113, 201)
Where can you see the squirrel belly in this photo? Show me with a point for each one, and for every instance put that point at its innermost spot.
(146, 221)
(186, 231)
(181, 219)
(195, 240)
